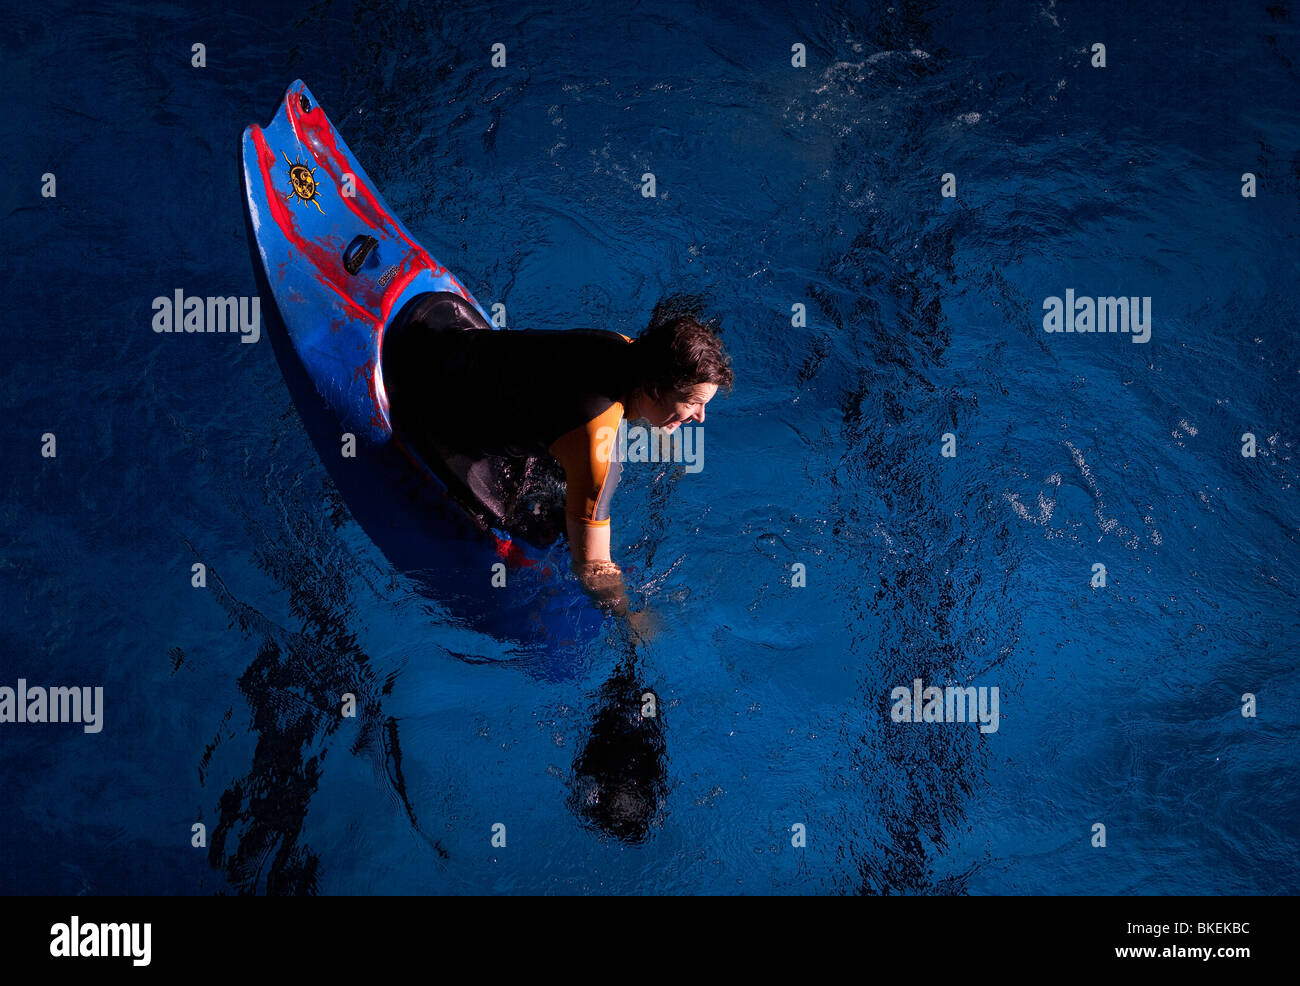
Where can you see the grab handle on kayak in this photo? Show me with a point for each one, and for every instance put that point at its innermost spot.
(356, 252)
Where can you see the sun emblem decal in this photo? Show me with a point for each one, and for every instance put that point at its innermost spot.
(303, 179)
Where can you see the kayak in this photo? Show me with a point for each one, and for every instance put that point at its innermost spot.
(337, 271)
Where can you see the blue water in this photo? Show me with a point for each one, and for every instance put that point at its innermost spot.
(776, 185)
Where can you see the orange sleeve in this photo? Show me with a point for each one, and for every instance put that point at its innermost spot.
(592, 466)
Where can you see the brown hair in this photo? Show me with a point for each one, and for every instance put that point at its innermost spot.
(678, 351)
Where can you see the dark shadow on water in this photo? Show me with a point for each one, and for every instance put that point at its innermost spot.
(618, 782)
(294, 689)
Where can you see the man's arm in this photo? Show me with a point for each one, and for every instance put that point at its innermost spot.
(602, 579)
(591, 474)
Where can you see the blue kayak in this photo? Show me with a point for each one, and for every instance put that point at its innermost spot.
(337, 271)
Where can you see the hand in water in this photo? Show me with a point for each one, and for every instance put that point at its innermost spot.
(644, 624)
(601, 575)
(604, 580)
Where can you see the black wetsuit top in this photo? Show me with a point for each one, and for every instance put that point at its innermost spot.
(465, 393)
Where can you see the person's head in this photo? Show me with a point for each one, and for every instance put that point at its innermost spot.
(681, 364)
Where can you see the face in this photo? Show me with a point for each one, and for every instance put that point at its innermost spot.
(675, 407)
